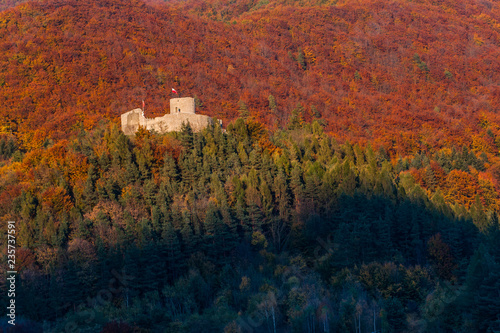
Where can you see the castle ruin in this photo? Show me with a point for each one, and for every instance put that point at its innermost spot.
(182, 110)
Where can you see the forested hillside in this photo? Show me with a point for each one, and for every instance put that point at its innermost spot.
(353, 187)
(243, 231)
(406, 75)
(6, 4)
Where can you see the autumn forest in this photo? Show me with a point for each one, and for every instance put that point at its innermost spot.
(353, 187)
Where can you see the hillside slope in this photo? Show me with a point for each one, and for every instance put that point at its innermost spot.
(408, 75)
(294, 216)
(6, 4)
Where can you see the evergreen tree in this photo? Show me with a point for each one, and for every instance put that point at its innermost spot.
(272, 104)
(189, 242)
(243, 110)
(169, 170)
(280, 225)
(430, 179)
(89, 194)
(416, 162)
(156, 221)
(186, 136)
(479, 216)
(394, 315)
(296, 183)
(171, 251)
(296, 120)
(315, 112)
(358, 153)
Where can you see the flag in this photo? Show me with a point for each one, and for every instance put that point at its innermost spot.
(174, 91)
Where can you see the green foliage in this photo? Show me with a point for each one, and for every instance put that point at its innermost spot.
(296, 120)
(243, 110)
(448, 75)
(422, 65)
(272, 104)
(216, 228)
(357, 76)
(8, 146)
(301, 59)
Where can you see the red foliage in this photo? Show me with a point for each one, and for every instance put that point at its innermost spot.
(440, 254)
(400, 74)
(461, 188)
(25, 258)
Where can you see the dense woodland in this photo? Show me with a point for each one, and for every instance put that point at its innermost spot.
(405, 75)
(249, 232)
(353, 188)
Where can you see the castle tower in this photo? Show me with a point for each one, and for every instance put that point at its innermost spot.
(182, 105)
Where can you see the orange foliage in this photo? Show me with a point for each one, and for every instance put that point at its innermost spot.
(172, 146)
(412, 83)
(461, 188)
(439, 174)
(488, 190)
(419, 176)
(55, 200)
(25, 258)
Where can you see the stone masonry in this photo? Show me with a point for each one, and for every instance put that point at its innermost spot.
(182, 110)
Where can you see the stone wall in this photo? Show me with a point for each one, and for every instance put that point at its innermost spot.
(168, 123)
(182, 105)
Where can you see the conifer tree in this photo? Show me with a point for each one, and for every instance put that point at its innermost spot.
(272, 104)
(169, 170)
(189, 242)
(296, 183)
(186, 136)
(171, 251)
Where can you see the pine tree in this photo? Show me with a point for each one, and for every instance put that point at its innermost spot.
(89, 193)
(478, 215)
(188, 170)
(394, 315)
(150, 192)
(130, 228)
(481, 296)
(243, 218)
(267, 200)
(326, 152)
(358, 153)
(156, 222)
(272, 104)
(349, 179)
(296, 183)
(217, 238)
(280, 225)
(416, 161)
(243, 110)
(171, 251)
(186, 136)
(189, 241)
(169, 170)
(487, 312)
(296, 120)
(430, 179)
(131, 266)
